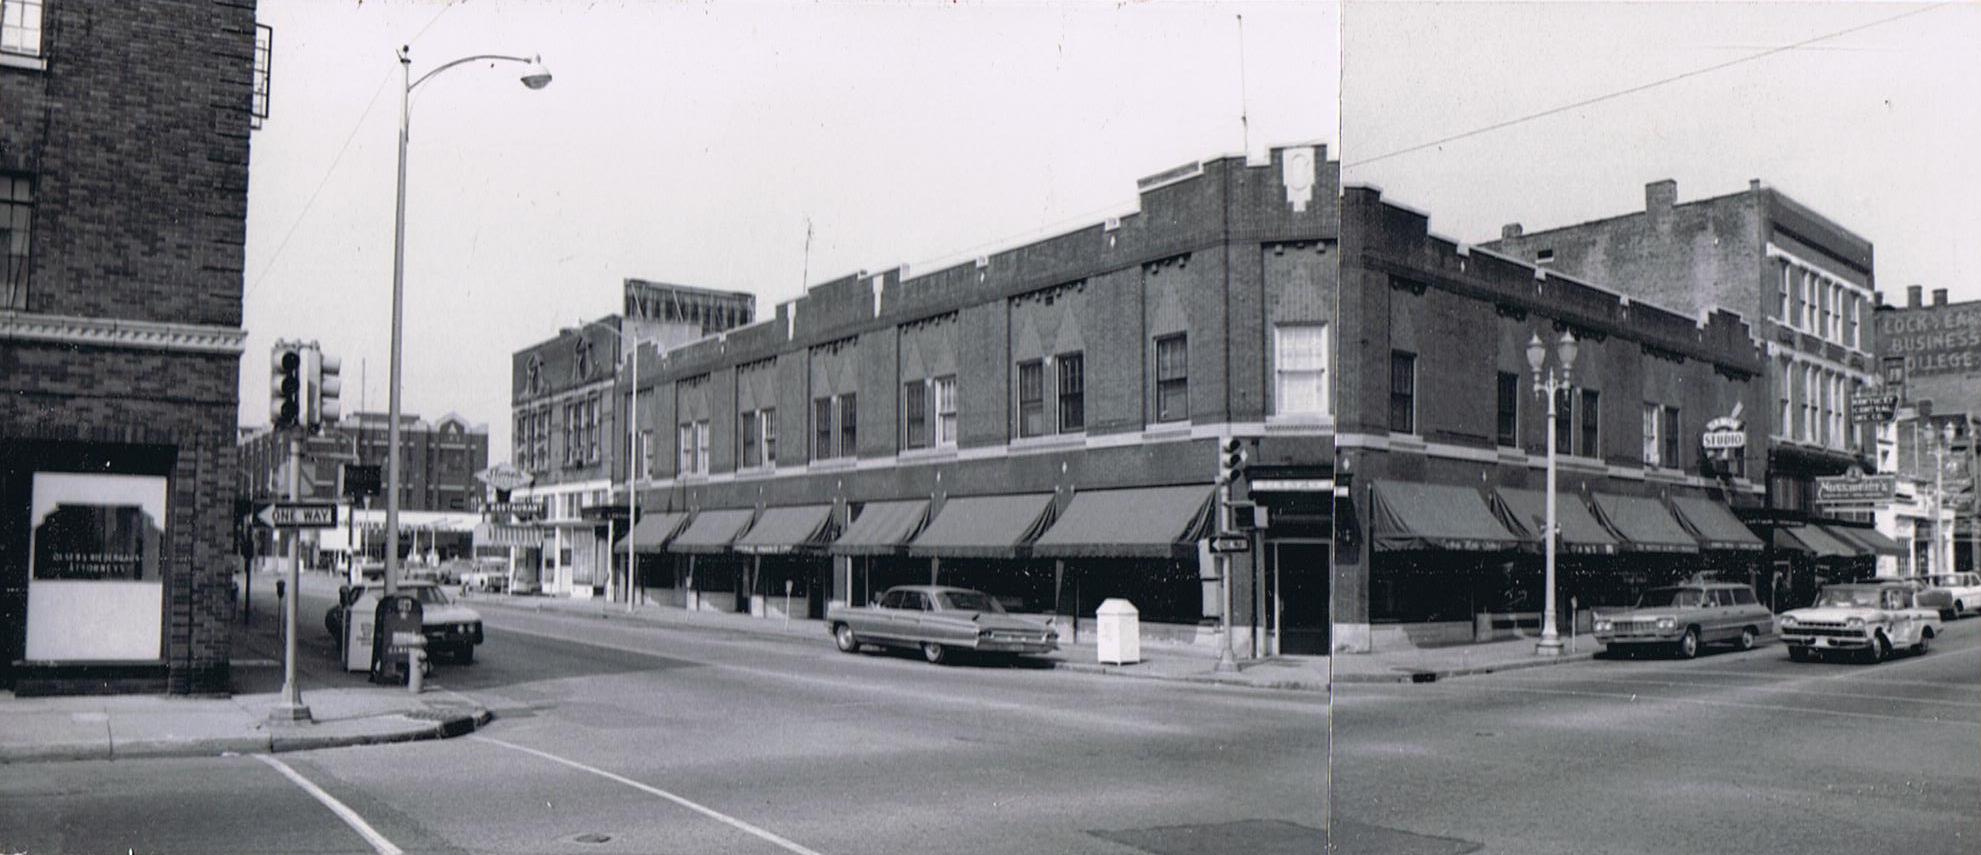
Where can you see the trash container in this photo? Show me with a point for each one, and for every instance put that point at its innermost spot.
(1120, 632)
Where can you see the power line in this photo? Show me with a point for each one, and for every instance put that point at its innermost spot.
(1642, 87)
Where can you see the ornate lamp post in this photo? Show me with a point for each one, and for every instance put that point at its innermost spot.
(1550, 381)
(534, 77)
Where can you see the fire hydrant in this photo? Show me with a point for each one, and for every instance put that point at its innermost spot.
(415, 647)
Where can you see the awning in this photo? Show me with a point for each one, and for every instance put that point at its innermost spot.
(497, 534)
(712, 531)
(1408, 515)
(882, 528)
(983, 526)
(1644, 524)
(1813, 540)
(1155, 522)
(782, 530)
(653, 530)
(1580, 532)
(1715, 524)
(1870, 539)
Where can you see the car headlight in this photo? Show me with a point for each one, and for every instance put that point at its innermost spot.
(1854, 623)
(1667, 623)
(1788, 620)
(1602, 626)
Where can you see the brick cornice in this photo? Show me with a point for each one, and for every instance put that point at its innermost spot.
(113, 332)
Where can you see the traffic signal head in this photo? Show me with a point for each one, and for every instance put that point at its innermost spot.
(329, 386)
(1230, 459)
(285, 385)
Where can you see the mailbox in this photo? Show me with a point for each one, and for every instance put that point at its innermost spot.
(396, 627)
(1120, 632)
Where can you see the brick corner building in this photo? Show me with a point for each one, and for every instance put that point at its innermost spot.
(123, 210)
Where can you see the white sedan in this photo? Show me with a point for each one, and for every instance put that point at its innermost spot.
(1966, 590)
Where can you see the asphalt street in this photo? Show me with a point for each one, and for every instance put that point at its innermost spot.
(629, 738)
(1731, 752)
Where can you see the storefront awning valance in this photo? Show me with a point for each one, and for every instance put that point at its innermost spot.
(711, 531)
(782, 530)
(650, 534)
(1715, 524)
(1644, 524)
(1407, 515)
(1154, 522)
(1813, 540)
(983, 527)
(497, 534)
(1580, 531)
(1870, 539)
(882, 528)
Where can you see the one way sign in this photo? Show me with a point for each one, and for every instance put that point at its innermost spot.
(297, 515)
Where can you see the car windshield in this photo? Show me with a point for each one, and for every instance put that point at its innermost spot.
(970, 601)
(428, 595)
(1672, 597)
(1848, 597)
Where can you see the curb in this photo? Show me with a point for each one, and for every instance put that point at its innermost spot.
(1296, 685)
(1417, 675)
(275, 741)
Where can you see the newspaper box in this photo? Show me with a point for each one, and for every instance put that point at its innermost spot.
(1120, 635)
(397, 629)
(359, 619)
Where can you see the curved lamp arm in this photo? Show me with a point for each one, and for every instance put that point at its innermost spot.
(405, 57)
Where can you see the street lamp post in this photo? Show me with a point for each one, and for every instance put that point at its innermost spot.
(1550, 383)
(535, 77)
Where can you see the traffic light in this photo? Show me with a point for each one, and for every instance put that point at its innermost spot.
(285, 385)
(1230, 460)
(321, 384)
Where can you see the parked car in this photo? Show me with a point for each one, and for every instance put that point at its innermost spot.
(1965, 589)
(450, 628)
(1688, 615)
(1869, 619)
(493, 581)
(939, 620)
(1931, 596)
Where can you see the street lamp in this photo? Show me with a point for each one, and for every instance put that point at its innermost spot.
(629, 349)
(534, 77)
(1550, 383)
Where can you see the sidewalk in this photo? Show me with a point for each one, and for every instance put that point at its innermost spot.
(1160, 661)
(124, 726)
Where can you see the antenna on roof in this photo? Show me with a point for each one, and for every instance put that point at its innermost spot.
(807, 281)
(1244, 122)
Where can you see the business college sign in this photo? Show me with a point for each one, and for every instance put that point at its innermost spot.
(1935, 341)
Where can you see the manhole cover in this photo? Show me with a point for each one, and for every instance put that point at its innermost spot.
(593, 837)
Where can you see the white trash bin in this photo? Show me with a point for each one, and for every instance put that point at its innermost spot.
(1120, 632)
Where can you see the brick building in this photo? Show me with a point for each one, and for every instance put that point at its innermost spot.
(123, 206)
(1806, 285)
(570, 439)
(1041, 423)
(1442, 437)
(1939, 344)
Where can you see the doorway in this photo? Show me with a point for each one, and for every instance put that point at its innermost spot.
(1298, 576)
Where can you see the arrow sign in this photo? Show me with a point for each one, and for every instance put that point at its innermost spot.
(297, 515)
(1224, 544)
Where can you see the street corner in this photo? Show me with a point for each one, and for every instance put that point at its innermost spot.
(430, 722)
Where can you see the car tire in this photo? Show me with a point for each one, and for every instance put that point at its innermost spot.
(1949, 615)
(1747, 637)
(1688, 644)
(1798, 653)
(465, 654)
(1920, 648)
(1880, 649)
(1958, 607)
(935, 653)
(844, 639)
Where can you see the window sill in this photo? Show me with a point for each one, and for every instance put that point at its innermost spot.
(833, 464)
(23, 61)
(1073, 439)
(926, 455)
(1299, 421)
(1160, 430)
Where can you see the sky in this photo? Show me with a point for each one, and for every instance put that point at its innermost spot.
(698, 143)
(1876, 129)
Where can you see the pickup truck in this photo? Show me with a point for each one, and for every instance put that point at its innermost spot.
(939, 620)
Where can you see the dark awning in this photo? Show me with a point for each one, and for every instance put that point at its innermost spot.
(653, 530)
(1870, 539)
(712, 531)
(781, 530)
(1644, 524)
(1715, 524)
(882, 528)
(1580, 532)
(1408, 515)
(1154, 522)
(983, 526)
(1813, 540)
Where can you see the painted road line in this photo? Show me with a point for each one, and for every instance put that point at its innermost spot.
(350, 817)
(1638, 681)
(1733, 704)
(711, 813)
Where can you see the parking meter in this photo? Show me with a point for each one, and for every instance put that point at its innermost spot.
(399, 619)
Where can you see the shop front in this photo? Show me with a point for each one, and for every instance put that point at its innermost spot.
(789, 570)
(709, 574)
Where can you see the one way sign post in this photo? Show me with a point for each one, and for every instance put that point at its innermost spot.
(297, 515)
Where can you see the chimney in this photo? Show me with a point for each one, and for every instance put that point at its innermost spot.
(1659, 196)
(1510, 231)
(1939, 296)
(1754, 185)
(1912, 296)
(1880, 295)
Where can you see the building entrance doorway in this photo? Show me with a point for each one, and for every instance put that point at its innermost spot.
(1298, 575)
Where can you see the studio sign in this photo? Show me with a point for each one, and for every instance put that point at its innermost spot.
(1725, 433)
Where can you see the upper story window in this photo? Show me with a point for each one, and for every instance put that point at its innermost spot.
(915, 414)
(1172, 378)
(1506, 427)
(1300, 361)
(20, 27)
(835, 423)
(646, 453)
(1669, 433)
(16, 222)
(1402, 392)
(757, 434)
(1071, 371)
(1591, 445)
(692, 446)
(849, 419)
(1782, 285)
(767, 424)
(1031, 398)
(945, 411)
